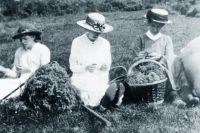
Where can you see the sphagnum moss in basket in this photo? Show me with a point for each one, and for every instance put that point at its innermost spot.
(50, 89)
(150, 77)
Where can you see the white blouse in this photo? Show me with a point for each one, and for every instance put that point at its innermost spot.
(84, 52)
(32, 58)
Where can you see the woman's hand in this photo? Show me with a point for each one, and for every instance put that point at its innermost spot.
(143, 54)
(91, 68)
(21, 69)
(154, 56)
(2, 69)
(103, 68)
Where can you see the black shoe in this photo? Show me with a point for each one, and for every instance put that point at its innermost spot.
(102, 109)
(194, 101)
(113, 95)
(178, 102)
(119, 95)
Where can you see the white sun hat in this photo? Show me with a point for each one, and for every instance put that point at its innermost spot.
(95, 22)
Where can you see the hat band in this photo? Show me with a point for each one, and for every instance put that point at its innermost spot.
(95, 25)
(158, 17)
(24, 31)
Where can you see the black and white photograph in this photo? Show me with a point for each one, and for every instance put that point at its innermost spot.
(99, 66)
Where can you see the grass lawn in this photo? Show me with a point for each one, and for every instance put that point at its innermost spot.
(58, 35)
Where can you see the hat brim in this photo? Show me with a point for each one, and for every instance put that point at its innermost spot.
(82, 23)
(163, 22)
(19, 35)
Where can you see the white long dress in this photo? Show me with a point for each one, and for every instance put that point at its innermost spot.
(32, 59)
(92, 86)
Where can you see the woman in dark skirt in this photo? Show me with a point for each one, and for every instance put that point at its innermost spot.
(159, 47)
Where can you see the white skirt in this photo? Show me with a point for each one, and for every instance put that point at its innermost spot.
(92, 87)
(8, 85)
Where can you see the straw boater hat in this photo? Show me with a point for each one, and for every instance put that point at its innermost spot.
(95, 22)
(27, 29)
(158, 15)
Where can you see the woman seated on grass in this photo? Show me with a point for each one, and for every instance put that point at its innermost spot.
(28, 58)
(157, 45)
(90, 61)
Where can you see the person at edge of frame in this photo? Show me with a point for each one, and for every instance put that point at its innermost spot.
(28, 58)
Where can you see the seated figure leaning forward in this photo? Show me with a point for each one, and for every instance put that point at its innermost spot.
(90, 62)
(28, 58)
(158, 46)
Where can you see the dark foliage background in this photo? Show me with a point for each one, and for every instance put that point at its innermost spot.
(26, 8)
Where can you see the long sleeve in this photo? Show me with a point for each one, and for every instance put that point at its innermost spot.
(75, 64)
(107, 56)
(169, 52)
(13, 72)
(45, 56)
(136, 46)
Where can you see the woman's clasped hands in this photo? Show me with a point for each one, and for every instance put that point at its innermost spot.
(94, 67)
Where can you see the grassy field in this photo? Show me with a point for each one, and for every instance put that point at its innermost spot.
(58, 35)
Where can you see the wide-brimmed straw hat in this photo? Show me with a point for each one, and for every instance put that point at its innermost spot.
(26, 29)
(95, 22)
(158, 15)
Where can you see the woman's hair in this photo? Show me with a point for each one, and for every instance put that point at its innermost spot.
(37, 38)
(148, 16)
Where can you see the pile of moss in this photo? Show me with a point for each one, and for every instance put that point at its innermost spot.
(50, 90)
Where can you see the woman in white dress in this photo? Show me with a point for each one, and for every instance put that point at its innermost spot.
(90, 59)
(28, 58)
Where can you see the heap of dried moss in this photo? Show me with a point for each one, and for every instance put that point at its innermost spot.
(50, 90)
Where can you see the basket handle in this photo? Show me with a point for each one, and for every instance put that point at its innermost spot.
(143, 61)
(118, 67)
(120, 77)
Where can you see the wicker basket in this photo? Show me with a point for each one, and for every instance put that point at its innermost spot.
(147, 92)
